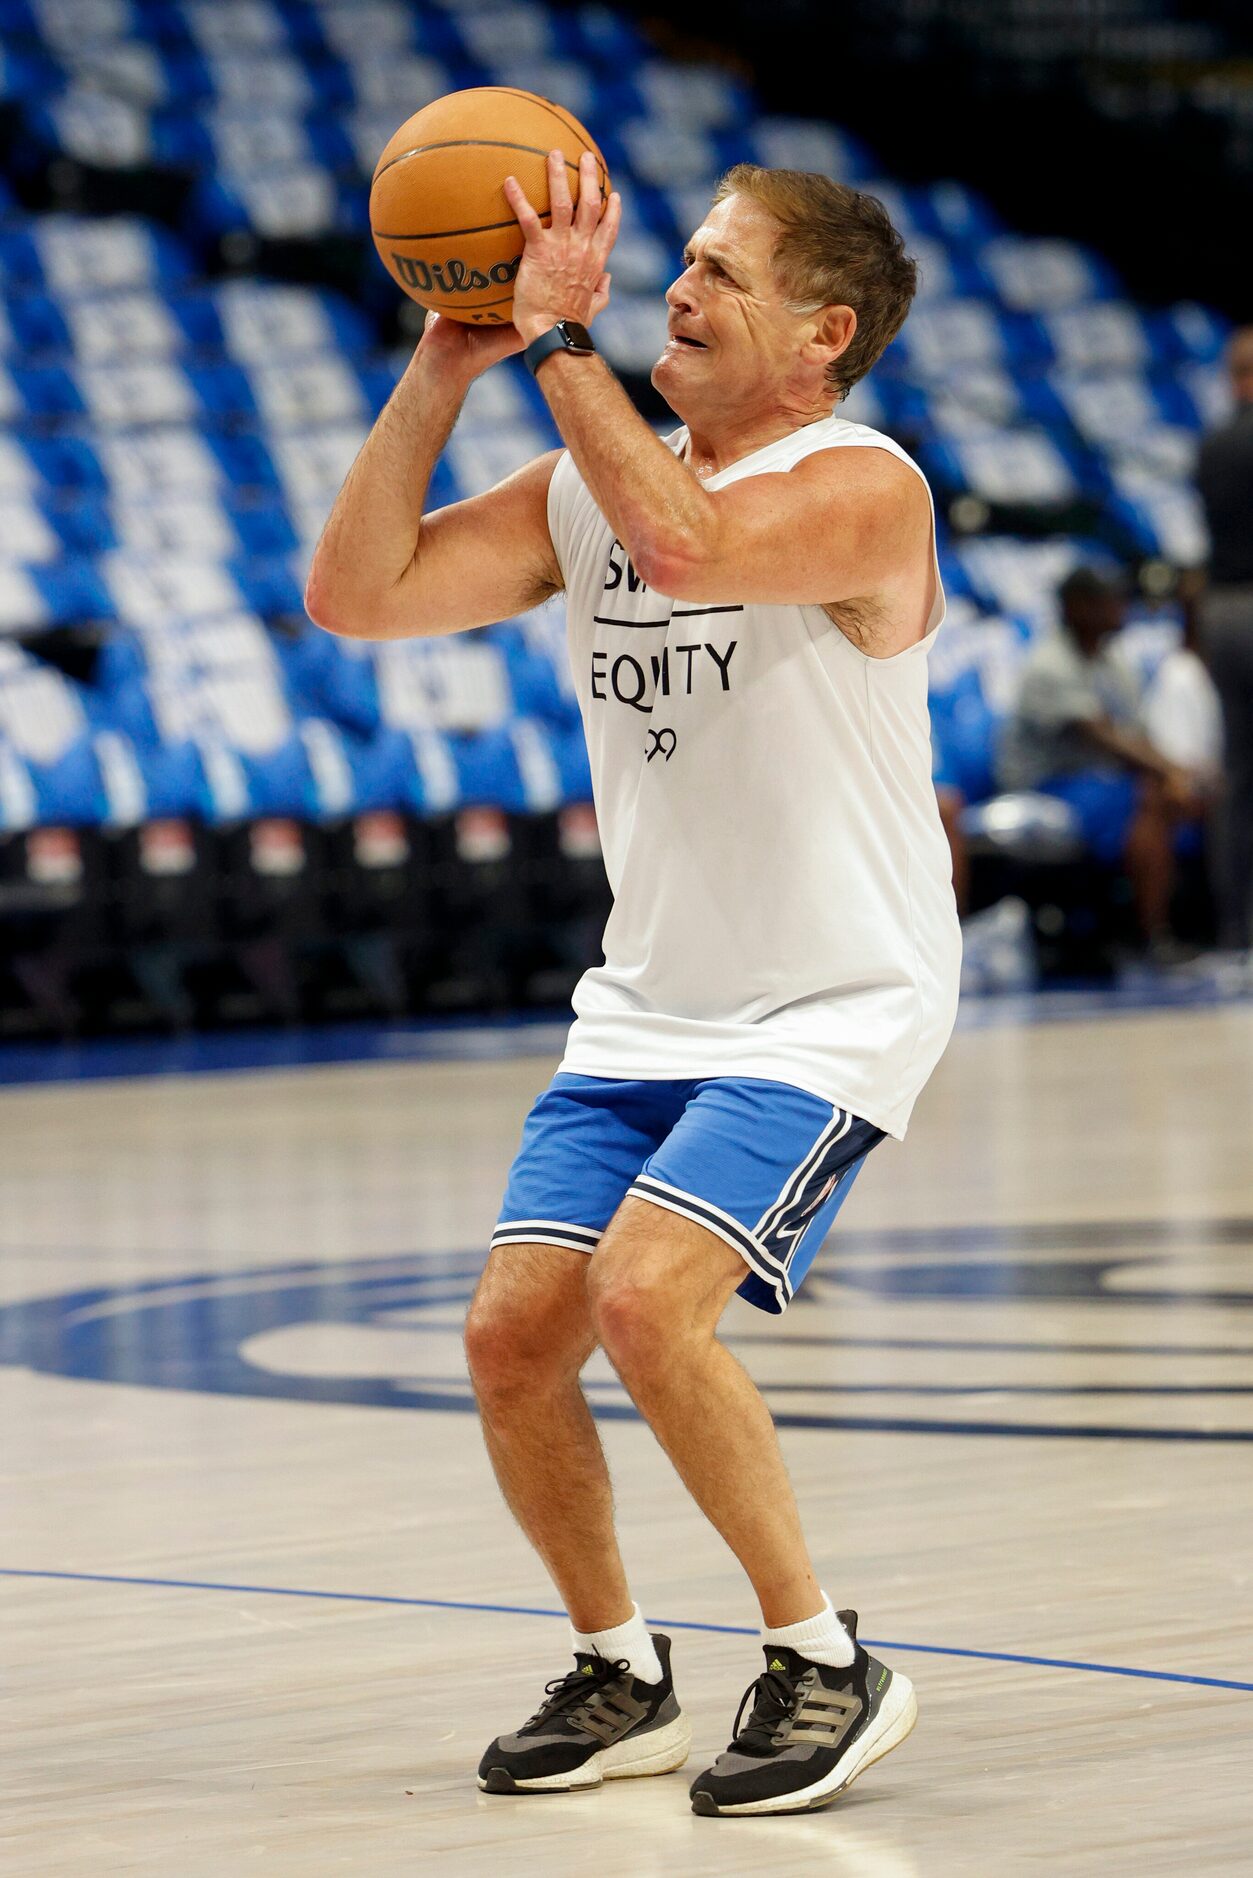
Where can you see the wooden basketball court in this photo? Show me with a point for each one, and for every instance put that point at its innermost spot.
(263, 1606)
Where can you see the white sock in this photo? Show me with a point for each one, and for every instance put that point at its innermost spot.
(630, 1641)
(821, 1639)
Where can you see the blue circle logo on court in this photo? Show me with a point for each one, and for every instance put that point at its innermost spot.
(976, 1359)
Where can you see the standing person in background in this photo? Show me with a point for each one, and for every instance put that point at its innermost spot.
(951, 800)
(1180, 708)
(1225, 481)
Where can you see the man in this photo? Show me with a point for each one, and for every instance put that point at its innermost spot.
(749, 607)
(1076, 733)
(1225, 480)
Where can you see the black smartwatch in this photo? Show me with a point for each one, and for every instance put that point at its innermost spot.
(565, 336)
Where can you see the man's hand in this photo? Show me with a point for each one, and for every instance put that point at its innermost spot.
(1183, 797)
(462, 351)
(562, 276)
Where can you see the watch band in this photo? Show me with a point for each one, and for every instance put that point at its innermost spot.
(565, 336)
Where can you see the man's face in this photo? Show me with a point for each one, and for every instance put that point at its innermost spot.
(727, 320)
(1240, 364)
(1094, 617)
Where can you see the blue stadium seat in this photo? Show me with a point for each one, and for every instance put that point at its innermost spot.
(68, 592)
(1023, 467)
(972, 681)
(330, 679)
(1020, 578)
(450, 683)
(1099, 335)
(944, 333)
(1190, 333)
(1033, 275)
(72, 254)
(515, 768)
(792, 143)
(1163, 516)
(46, 728)
(144, 782)
(297, 202)
(962, 216)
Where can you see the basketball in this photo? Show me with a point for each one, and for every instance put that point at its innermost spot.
(438, 213)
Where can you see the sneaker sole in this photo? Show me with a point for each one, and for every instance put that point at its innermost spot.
(891, 1725)
(658, 1752)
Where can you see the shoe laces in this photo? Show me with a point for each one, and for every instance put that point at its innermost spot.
(776, 1696)
(574, 1688)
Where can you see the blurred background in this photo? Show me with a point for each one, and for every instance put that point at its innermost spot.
(212, 814)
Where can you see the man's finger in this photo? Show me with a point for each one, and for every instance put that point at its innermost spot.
(588, 213)
(559, 190)
(607, 233)
(528, 221)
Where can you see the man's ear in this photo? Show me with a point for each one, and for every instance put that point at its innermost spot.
(836, 327)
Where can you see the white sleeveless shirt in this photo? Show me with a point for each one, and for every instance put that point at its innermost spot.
(783, 902)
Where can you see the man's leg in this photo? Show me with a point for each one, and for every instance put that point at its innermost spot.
(825, 1710)
(1149, 858)
(528, 1334)
(1233, 674)
(659, 1284)
(1227, 641)
(616, 1715)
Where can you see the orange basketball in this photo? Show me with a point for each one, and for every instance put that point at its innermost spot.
(438, 212)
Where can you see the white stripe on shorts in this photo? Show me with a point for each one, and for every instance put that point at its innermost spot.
(839, 1125)
(545, 1232)
(713, 1219)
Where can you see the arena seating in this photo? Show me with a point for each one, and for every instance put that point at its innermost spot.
(181, 392)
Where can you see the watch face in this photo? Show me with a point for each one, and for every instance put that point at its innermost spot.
(576, 337)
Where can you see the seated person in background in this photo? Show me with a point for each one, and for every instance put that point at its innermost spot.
(1077, 733)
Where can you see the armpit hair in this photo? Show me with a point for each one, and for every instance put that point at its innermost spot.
(862, 621)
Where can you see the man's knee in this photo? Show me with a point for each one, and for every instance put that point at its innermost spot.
(528, 1319)
(657, 1280)
(631, 1313)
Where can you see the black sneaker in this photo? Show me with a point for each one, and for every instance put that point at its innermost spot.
(812, 1730)
(598, 1723)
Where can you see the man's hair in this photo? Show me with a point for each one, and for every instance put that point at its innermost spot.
(1088, 582)
(836, 247)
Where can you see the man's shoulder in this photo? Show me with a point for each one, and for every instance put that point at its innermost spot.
(837, 437)
(866, 463)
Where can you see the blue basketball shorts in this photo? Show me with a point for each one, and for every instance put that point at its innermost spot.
(763, 1166)
(1104, 802)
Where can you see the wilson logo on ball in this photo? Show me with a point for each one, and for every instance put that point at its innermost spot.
(452, 276)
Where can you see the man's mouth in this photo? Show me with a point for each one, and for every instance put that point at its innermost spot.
(681, 339)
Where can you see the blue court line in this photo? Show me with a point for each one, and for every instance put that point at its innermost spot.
(661, 1623)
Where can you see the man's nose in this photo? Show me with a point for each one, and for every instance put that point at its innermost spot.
(679, 293)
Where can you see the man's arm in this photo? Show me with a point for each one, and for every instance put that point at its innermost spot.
(381, 569)
(843, 525)
(1054, 699)
(1128, 747)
